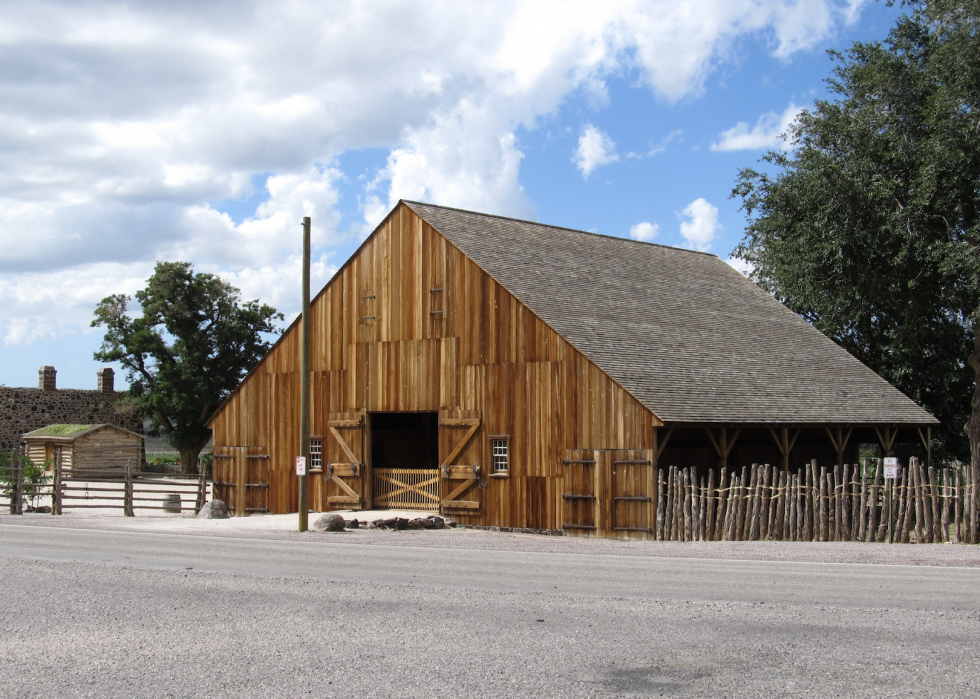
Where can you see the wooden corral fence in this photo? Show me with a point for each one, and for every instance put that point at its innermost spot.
(817, 503)
(406, 488)
(122, 489)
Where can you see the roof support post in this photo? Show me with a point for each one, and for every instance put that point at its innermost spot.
(723, 445)
(785, 443)
(927, 443)
(886, 439)
(838, 441)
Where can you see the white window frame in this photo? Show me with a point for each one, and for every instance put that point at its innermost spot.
(316, 453)
(499, 441)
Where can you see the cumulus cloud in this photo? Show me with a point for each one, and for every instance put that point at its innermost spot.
(644, 231)
(702, 225)
(595, 148)
(122, 125)
(744, 268)
(767, 132)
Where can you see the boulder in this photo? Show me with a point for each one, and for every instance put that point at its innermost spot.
(414, 524)
(437, 522)
(330, 523)
(353, 524)
(425, 523)
(401, 523)
(215, 509)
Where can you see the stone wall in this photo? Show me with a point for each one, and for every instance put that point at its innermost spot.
(26, 409)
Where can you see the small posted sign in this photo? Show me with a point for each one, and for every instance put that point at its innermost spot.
(891, 467)
(300, 465)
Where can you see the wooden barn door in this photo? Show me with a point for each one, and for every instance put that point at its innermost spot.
(256, 480)
(224, 476)
(344, 470)
(632, 486)
(241, 479)
(580, 494)
(460, 457)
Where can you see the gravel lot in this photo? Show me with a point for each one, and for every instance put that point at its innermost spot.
(86, 629)
(90, 630)
(284, 527)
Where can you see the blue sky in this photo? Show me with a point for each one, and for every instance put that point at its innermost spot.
(131, 134)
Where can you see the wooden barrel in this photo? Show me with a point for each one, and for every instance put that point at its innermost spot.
(171, 502)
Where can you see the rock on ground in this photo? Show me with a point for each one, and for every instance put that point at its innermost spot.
(216, 509)
(330, 523)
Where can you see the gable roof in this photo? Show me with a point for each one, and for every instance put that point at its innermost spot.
(70, 433)
(683, 332)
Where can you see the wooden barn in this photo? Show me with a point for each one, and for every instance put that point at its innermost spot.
(515, 374)
(85, 446)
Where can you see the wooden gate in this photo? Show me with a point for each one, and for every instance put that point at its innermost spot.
(633, 508)
(241, 479)
(256, 483)
(344, 469)
(406, 488)
(609, 492)
(580, 503)
(458, 442)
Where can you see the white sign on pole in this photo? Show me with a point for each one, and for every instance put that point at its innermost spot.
(891, 467)
(300, 465)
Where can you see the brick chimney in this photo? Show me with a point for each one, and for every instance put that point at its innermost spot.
(106, 378)
(46, 378)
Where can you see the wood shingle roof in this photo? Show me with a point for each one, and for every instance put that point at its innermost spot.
(687, 335)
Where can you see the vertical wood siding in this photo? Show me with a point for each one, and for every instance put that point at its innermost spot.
(444, 336)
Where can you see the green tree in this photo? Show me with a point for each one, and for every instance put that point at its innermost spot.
(868, 227)
(189, 349)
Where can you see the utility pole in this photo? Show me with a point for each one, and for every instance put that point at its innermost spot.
(304, 384)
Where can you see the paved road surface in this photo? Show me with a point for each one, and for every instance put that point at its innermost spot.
(105, 613)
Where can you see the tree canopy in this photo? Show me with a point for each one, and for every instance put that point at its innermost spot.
(190, 348)
(868, 227)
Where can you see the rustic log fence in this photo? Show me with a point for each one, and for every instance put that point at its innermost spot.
(819, 503)
(127, 489)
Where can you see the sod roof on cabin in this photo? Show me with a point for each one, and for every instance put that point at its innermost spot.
(687, 335)
(66, 431)
(72, 431)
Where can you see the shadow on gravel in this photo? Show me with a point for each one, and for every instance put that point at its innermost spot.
(644, 681)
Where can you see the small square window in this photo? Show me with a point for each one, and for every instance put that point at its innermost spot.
(500, 455)
(316, 454)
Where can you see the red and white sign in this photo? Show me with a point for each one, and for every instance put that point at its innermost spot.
(300, 465)
(891, 467)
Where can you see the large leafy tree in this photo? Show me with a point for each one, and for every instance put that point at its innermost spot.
(192, 345)
(869, 226)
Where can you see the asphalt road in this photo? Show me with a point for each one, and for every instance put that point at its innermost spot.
(103, 613)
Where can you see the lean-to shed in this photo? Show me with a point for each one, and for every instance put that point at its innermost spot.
(85, 446)
(517, 374)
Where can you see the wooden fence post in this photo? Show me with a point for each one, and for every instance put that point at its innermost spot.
(202, 488)
(56, 485)
(128, 492)
(17, 494)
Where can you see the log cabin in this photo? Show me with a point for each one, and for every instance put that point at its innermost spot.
(85, 446)
(515, 374)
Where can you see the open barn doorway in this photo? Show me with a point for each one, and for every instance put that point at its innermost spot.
(405, 460)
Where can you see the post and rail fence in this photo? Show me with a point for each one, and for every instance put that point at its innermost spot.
(126, 489)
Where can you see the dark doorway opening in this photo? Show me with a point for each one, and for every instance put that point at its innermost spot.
(405, 440)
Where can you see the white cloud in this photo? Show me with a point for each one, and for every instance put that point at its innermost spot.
(595, 148)
(766, 133)
(119, 123)
(644, 231)
(744, 268)
(700, 230)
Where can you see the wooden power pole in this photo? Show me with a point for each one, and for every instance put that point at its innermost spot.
(304, 383)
